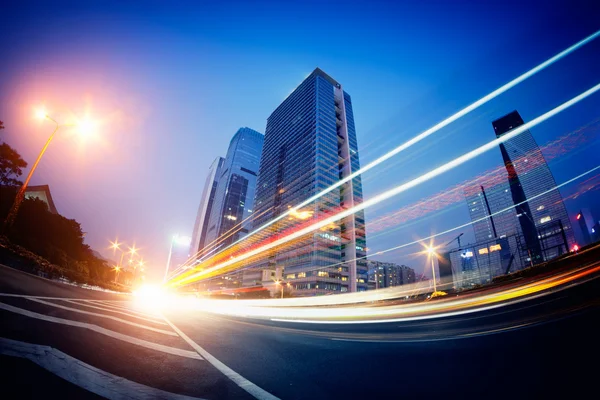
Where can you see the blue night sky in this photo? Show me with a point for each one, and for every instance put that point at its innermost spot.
(172, 82)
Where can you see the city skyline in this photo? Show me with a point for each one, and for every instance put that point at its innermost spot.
(143, 127)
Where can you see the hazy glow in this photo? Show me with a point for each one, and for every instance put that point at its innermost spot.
(40, 113)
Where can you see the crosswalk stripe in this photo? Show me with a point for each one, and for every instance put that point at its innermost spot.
(103, 331)
(156, 321)
(122, 308)
(84, 375)
(124, 321)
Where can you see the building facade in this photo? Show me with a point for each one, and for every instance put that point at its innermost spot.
(234, 196)
(310, 144)
(386, 274)
(542, 215)
(204, 210)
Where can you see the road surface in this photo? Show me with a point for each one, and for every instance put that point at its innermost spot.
(63, 341)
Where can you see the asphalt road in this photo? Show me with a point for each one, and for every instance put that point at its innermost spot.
(63, 341)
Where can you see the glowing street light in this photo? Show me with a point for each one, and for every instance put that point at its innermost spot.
(431, 254)
(279, 283)
(116, 269)
(85, 126)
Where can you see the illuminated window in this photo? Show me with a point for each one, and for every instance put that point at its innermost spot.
(545, 219)
(540, 208)
(495, 247)
(344, 278)
(483, 251)
(323, 273)
(302, 275)
(291, 276)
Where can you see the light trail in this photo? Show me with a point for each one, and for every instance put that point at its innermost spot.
(404, 290)
(489, 179)
(496, 297)
(398, 189)
(485, 99)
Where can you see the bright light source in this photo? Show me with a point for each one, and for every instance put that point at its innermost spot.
(579, 216)
(182, 240)
(431, 250)
(575, 248)
(86, 126)
(41, 113)
(301, 214)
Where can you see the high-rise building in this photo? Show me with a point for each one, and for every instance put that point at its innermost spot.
(494, 216)
(234, 196)
(310, 144)
(387, 274)
(204, 210)
(542, 215)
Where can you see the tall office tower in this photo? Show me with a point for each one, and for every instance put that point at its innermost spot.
(544, 222)
(310, 143)
(206, 203)
(234, 196)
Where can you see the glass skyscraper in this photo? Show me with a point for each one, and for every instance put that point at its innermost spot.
(544, 221)
(204, 210)
(310, 143)
(234, 196)
(536, 229)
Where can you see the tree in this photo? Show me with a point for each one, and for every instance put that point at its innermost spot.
(11, 165)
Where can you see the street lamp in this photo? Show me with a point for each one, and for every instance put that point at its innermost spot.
(180, 241)
(279, 283)
(431, 252)
(132, 252)
(84, 126)
(117, 269)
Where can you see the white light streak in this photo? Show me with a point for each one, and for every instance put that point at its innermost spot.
(429, 131)
(401, 188)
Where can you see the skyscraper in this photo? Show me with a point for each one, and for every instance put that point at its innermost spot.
(520, 206)
(204, 210)
(310, 143)
(544, 221)
(234, 196)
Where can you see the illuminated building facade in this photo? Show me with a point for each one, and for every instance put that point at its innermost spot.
(386, 274)
(234, 196)
(477, 264)
(310, 144)
(543, 220)
(206, 202)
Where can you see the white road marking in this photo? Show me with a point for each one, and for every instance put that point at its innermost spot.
(124, 321)
(128, 309)
(156, 321)
(84, 375)
(242, 382)
(103, 331)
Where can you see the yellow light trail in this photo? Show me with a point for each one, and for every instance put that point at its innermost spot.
(394, 191)
(286, 311)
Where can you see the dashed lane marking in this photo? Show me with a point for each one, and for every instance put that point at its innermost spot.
(156, 321)
(84, 375)
(104, 331)
(242, 382)
(123, 321)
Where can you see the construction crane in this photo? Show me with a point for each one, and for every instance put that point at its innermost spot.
(456, 238)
